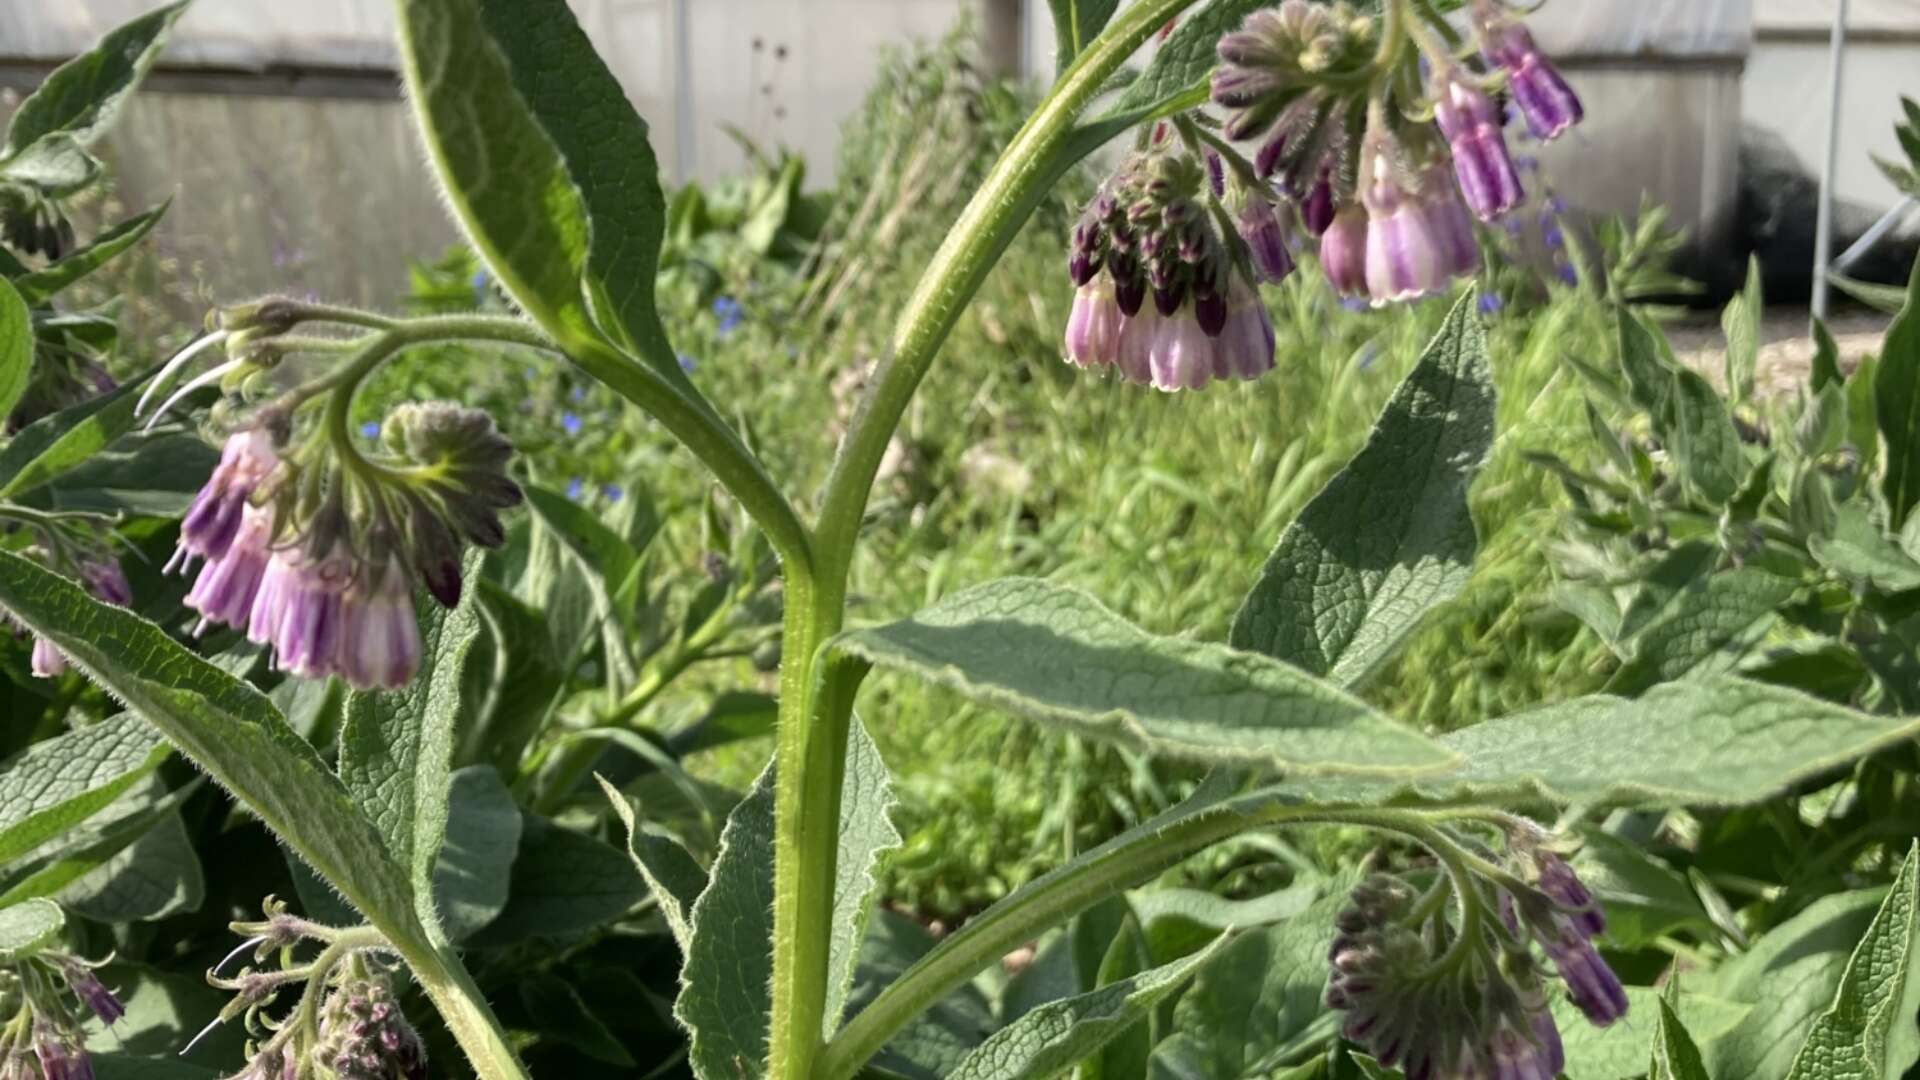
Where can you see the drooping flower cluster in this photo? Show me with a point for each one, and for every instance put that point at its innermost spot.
(1392, 198)
(317, 558)
(45, 1031)
(1167, 281)
(364, 1036)
(1469, 1002)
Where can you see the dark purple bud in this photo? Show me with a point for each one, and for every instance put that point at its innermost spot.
(106, 580)
(1210, 309)
(1131, 294)
(1082, 267)
(92, 992)
(1564, 887)
(1266, 160)
(1593, 987)
(1316, 210)
(1168, 298)
(1265, 235)
(1216, 175)
(1545, 99)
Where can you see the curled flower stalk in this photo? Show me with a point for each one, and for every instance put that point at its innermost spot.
(1463, 998)
(311, 544)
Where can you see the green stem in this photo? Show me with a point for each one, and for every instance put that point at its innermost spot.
(810, 753)
(1051, 900)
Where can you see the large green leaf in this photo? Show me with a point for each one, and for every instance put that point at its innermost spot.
(27, 928)
(226, 727)
(56, 784)
(1644, 897)
(43, 283)
(472, 878)
(935, 1042)
(1790, 976)
(1711, 742)
(84, 95)
(16, 348)
(1860, 551)
(867, 833)
(1741, 323)
(674, 875)
(1052, 1037)
(1391, 536)
(724, 985)
(1620, 1051)
(1075, 24)
(1262, 997)
(1055, 655)
(1868, 1033)
(155, 876)
(57, 164)
(396, 748)
(1675, 1057)
(1706, 629)
(573, 98)
(62, 441)
(604, 561)
(565, 884)
(77, 862)
(1688, 417)
(1896, 398)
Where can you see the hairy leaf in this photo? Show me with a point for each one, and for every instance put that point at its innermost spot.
(1391, 536)
(578, 104)
(1603, 750)
(61, 442)
(1675, 1057)
(28, 927)
(84, 95)
(1621, 1050)
(1791, 975)
(1707, 629)
(57, 164)
(1860, 551)
(867, 833)
(935, 1042)
(1054, 1036)
(89, 851)
(58, 783)
(226, 727)
(673, 874)
(16, 347)
(724, 985)
(1896, 389)
(473, 876)
(1261, 997)
(1054, 655)
(155, 876)
(1865, 1034)
(1688, 417)
(564, 884)
(1180, 69)
(1644, 897)
(1741, 323)
(41, 284)
(604, 561)
(396, 748)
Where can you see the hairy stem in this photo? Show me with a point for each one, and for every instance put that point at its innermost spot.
(811, 748)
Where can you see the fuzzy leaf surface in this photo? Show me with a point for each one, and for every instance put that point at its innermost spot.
(1740, 742)
(1866, 1033)
(83, 96)
(1055, 655)
(1391, 536)
(16, 347)
(226, 727)
(1675, 1057)
(1896, 399)
(725, 984)
(57, 783)
(396, 747)
(1052, 1037)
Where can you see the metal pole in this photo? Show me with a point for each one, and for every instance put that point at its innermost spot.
(1823, 226)
(1887, 223)
(683, 148)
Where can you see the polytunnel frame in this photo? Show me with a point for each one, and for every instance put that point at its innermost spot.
(1824, 266)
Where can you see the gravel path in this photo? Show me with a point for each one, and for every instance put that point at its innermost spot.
(1786, 344)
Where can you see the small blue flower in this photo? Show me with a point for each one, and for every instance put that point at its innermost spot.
(1554, 237)
(730, 313)
(571, 421)
(1356, 304)
(1491, 304)
(481, 280)
(575, 487)
(614, 492)
(371, 429)
(687, 363)
(579, 393)
(1568, 274)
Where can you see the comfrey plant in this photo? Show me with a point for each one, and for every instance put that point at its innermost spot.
(419, 802)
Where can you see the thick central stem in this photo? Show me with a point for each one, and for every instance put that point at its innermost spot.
(811, 750)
